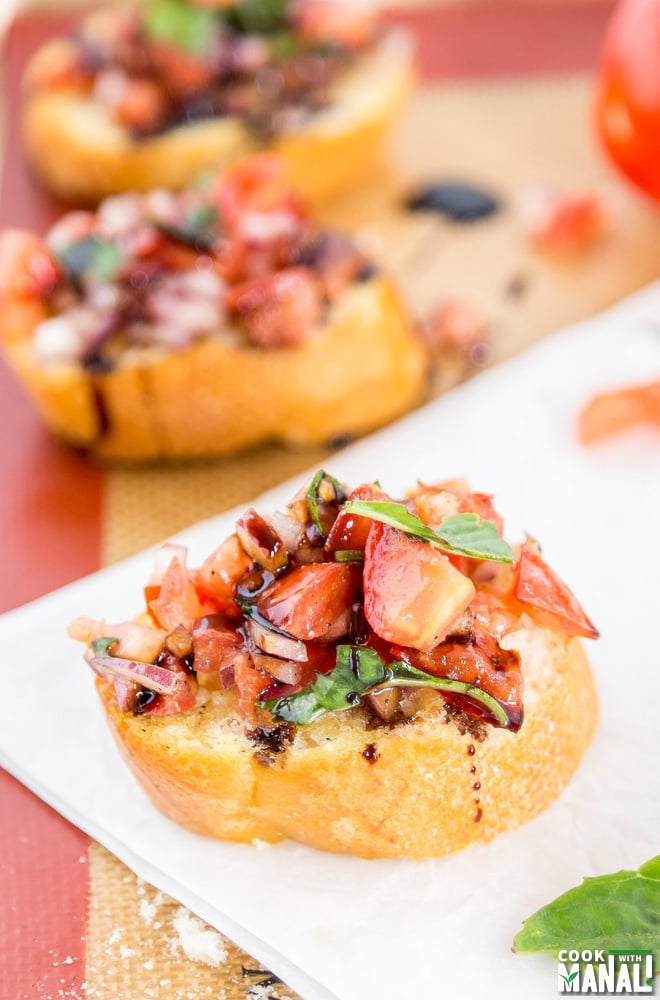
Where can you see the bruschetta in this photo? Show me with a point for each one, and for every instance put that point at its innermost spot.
(146, 97)
(170, 326)
(364, 675)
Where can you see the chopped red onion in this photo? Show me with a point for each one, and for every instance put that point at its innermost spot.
(285, 671)
(147, 675)
(277, 645)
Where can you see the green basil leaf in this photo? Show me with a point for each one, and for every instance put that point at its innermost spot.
(359, 670)
(463, 534)
(91, 255)
(182, 24)
(320, 484)
(259, 16)
(619, 911)
(101, 646)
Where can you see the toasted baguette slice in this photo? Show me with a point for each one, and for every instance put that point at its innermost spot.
(418, 790)
(363, 367)
(96, 157)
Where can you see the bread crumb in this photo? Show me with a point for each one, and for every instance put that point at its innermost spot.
(260, 844)
(197, 940)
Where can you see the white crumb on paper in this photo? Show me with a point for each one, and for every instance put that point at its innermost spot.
(115, 936)
(260, 844)
(198, 941)
(126, 952)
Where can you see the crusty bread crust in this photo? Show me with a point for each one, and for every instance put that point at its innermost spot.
(428, 789)
(365, 366)
(80, 154)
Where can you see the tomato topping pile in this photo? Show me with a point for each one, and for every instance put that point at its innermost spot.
(176, 62)
(238, 259)
(344, 601)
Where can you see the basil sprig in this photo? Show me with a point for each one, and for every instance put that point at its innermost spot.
(617, 911)
(359, 670)
(179, 23)
(101, 646)
(314, 498)
(91, 254)
(462, 534)
(259, 16)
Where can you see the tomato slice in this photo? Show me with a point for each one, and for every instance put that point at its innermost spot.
(412, 593)
(177, 602)
(612, 412)
(307, 601)
(538, 587)
(350, 531)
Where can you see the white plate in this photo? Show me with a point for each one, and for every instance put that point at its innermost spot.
(341, 927)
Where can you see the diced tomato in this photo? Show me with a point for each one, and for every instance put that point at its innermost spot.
(537, 586)
(350, 531)
(250, 686)
(27, 270)
(277, 310)
(185, 696)
(349, 25)
(480, 662)
(186, 72)
(214, 649)
(306, 602)
(612, 412)
(142, 105)
(177, 602)
(257, 182)
(559, 222)
(412, 593)
(151, 592)
(221, 571)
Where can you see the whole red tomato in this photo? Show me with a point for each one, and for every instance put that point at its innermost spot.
(628, 92)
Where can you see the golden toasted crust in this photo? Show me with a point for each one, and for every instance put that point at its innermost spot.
(95, 157)
(420, 790)
(363, 367)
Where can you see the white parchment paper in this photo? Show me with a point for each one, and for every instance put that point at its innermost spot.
(341, 927)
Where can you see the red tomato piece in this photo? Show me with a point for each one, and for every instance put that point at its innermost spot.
(277, 310)
(214, 649)
(558, 221)
(350, 531)
(612, 412)
(480, 662)
(627, 106)
(538, 587)
(412, 593)
(177, 602)
(257, 182)
(306, 602)
(250, 687)
(26, 268)
(352, 26)
(221, 571)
